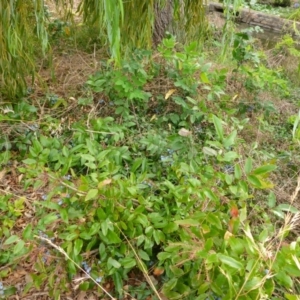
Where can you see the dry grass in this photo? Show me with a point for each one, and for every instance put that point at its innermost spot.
(68, 73)
(56, 13)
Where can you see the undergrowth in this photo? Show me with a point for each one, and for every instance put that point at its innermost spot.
(156, 186)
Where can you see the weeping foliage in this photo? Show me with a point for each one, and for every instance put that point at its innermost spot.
(195, 22)
(124, 24)
(22, 24)
(136, 22)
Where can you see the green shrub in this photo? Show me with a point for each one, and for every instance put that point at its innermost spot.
(161, 183)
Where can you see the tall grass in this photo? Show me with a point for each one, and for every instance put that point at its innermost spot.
(22, 24)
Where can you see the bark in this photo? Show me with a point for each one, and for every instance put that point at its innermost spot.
(163, 21)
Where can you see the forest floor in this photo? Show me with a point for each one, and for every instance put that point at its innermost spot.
(64, 81)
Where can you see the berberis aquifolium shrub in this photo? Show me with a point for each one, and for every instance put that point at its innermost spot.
(159, 187)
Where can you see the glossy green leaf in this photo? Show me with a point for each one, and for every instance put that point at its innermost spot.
(255, 181)
(213, 219)
(164, 255)
(269, 286)
(101, 214)
(204, 78)
(19, 247)
(77, 246)
(93, 193)
(291, 296)
(210, 195)
(156, 237)
(27, 233)
(118, 282)
(237, 171)
(237, 245)
(264, 169)
(230, 156)
(176, 271)
(278, 213)
(65, 151)
(128, 262)
(209, 151)
(233, 263)
(48, 219)
(113, 263)
(229, 179)
(143, 255)
(64, 215)
(105, 226)
(142, 219)
(271, 200)
(137, 163)
(230, 139)
(29, 161)
(84, 286)
(218, 127)
(88, 157)
(284, 279)
(94, 229)
(38, 148)
(72, 269)
(263, 236)
(287, 207)
(11, 239)
(168, 286)
(71, 236)
(253, 283)
(248, 165)
(113, 238)
(84, 235)
(102, 251)
(171, 227)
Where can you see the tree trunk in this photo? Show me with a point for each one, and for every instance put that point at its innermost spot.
(163, 21)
